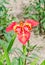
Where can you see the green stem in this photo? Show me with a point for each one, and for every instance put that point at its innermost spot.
(28, 43)
(7, 56)
(25, 53)
(40, 31)
(24, 50)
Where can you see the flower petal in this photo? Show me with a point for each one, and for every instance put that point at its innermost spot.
(24, 37)
(27, 27)
(10, 27)
(32, 22)
(17, 28)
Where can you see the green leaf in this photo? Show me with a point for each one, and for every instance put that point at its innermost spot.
(33, 56)
(1, 28)
(35, 17)
(15, 61)
(4, 1)
(1, 63)
(43, 62)
(2, 42)
(42, 1)
(20, 61)
(34, 62)
(43, 20)
(44, 25)
(33, 47)
(26, 15)
(6, 56)
(11, 43)
(7, 37)
(15, 19)
(19, 51)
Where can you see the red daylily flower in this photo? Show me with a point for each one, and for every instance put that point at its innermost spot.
(22, 29)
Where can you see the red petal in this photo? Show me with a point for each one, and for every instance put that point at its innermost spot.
(32, 22)
(17, 29)
(10, 27)
(27, 27)
(24, 37)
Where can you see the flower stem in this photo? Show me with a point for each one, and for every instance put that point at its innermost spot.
(25, 53)
(28, 43)
(24, 50)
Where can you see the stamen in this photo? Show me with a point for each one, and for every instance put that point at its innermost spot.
(21, 23)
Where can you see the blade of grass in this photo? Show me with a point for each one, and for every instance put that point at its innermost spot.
(6, 56)
(11, 43)
(43, 62)
(35, 61)
(1, 63)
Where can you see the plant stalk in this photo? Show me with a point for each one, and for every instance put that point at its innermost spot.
(28, 43)
(25, 53)
(40, 31)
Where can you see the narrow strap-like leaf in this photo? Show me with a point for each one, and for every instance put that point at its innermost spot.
(1, 63)
(35, 61)
(43, 62)
(11, 43)
(6, 56)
